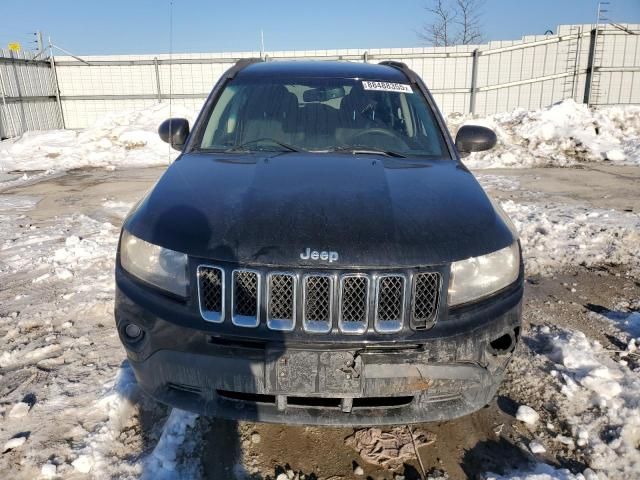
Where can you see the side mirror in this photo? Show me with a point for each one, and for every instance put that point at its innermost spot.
(175, 132)
(474, 138)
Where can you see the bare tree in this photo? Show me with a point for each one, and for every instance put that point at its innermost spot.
(468, 19)
(453, 22)
(439, 32)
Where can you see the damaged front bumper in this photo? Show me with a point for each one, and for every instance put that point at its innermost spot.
(449, 371)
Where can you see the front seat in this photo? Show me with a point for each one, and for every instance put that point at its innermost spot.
(268, 109)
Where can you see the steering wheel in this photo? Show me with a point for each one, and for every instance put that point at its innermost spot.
(380, 131)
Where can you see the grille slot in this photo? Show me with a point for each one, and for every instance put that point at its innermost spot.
(211, 293)
(318, 301)
(354, 303)
(282, 301)
(246, 298)
(424, 305)
(389, 303)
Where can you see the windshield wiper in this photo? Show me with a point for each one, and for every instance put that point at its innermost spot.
(243, 146)
(368, 151)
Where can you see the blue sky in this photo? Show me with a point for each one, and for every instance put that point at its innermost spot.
(141, 26)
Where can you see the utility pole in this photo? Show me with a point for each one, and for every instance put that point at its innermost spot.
(38, 35)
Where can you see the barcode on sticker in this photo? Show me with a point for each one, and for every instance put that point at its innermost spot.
(387, 87)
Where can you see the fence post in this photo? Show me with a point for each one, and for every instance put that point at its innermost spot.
(474, 80)
(590, 66)
(23, 117)
(155, 64)
(56, 86)
(4, 104)
(7, 109)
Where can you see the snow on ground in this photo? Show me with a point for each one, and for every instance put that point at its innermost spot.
(117, 207)
(541, 471)
(562, 135)
(120, 404)
(625, 317)
(125, 139)
(70, 405)
(163, 463)
(560, 236)
(598, 400)
(497, 182)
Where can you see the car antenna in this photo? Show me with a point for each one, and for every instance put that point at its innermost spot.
(170, 73)
(262, 44)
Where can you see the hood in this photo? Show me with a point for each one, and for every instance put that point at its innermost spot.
(370, 210)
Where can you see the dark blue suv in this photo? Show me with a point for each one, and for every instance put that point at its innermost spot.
(318, 254)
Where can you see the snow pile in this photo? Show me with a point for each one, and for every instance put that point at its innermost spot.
(13, 443)
(527, 415)
(93, 241)
(595, 396)
(163, 462)
(119, 407)
(565, 134)
(562, 135)
(600, 400)
(537, 447)
(116, 406)
(126, 139)
(556, 237)
(602, 403)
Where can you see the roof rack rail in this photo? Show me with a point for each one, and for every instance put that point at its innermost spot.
(403, 67)
(241, 64)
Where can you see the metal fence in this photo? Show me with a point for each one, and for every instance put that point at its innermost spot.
(28, 94)
(598, 65)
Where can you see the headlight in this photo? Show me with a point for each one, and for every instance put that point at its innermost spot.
(478, 277)
(164, 268)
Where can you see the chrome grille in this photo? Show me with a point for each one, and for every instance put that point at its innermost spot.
(282, 301)
(424, 305)
(354, 303)
(211, 293)
(389, 303)
(351, 302)
(318, 299)
(246, 298)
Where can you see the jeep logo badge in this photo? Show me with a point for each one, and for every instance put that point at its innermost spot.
(309, 254)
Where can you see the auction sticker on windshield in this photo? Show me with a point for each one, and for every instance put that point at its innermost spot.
(387, 87)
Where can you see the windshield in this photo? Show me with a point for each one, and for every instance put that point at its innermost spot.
(323, 114)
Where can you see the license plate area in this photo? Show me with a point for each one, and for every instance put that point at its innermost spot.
(308, 372)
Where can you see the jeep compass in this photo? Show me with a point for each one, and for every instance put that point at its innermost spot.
(319, 254)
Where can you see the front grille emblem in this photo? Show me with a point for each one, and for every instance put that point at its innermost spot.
(316, 255)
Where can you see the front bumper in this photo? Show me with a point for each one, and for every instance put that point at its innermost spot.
(451, 370)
